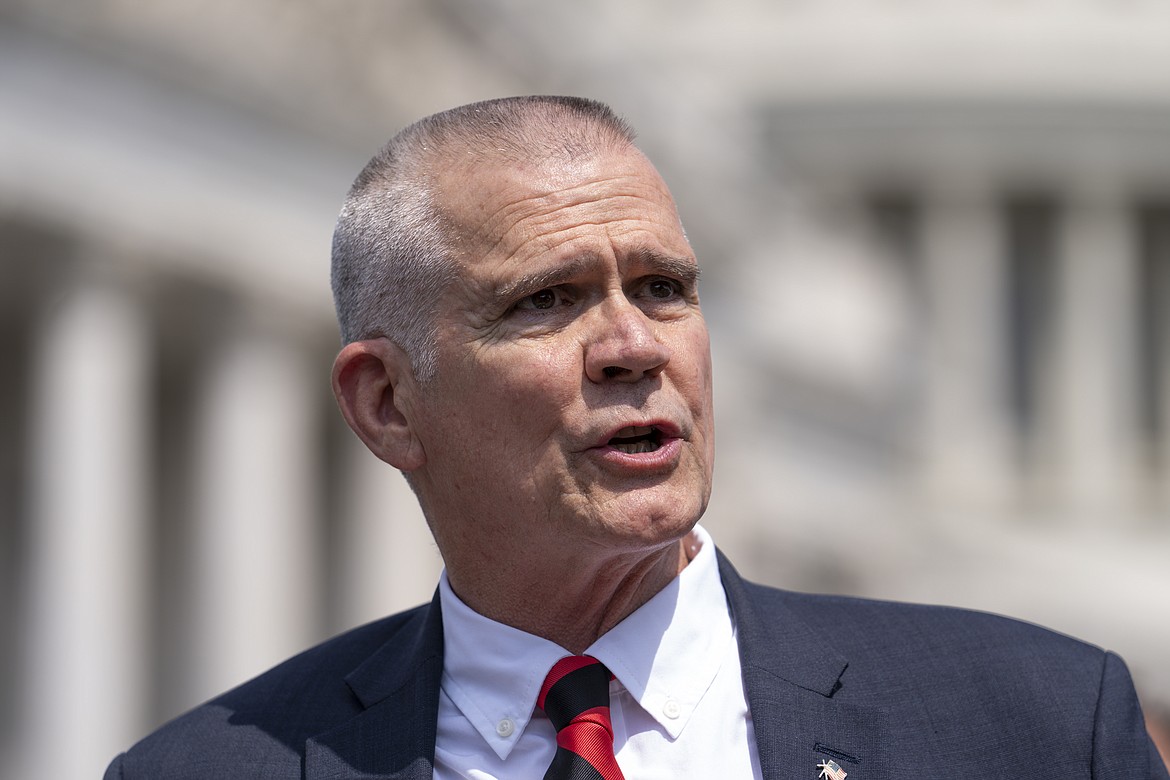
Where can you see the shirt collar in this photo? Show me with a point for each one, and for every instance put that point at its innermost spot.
(666, 654)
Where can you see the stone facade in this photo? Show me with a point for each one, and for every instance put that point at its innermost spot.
(936, 241)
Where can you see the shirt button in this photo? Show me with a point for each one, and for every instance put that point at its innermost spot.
(505, 727)
(671, 709)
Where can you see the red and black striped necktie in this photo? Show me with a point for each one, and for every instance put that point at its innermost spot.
(575, 696)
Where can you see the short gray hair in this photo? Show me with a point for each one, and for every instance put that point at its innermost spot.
(393, 247)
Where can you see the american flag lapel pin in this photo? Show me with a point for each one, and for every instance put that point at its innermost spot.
(831, 770)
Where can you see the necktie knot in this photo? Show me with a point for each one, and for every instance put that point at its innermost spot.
(575, 696)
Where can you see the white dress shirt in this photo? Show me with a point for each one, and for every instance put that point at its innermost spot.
(677, 701)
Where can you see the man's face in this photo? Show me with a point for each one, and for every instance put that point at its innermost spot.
(572, 401)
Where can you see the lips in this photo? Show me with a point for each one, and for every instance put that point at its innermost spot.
(640, 437)
(639, 448)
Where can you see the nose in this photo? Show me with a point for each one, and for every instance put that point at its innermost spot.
(623, 346)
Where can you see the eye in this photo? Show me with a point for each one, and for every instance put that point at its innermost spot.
(661, 289)
(543, 300)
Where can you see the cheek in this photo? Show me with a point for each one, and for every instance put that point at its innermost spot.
(537, 370)
(531, 388)
(694, 357)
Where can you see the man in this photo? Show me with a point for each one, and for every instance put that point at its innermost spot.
(523, 340)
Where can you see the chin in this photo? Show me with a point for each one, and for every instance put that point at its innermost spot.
(652, 523)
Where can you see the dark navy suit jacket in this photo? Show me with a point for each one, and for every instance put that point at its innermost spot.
(885, 690)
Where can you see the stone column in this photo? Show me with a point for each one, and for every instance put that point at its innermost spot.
(1158, 298)
(388, 560)
(1092, 393)
(966, 426)
(255, 547)
(87, 671)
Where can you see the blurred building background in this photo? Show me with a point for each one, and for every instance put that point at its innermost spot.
(936, 240)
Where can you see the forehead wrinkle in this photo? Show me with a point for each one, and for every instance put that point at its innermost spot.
(542, 242)
(543, 207)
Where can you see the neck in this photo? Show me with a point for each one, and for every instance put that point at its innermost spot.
(590, 596)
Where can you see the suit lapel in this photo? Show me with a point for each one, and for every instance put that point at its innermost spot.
(792, 679)
(793, 682)
(393, 738)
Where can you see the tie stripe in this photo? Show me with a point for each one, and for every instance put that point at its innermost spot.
(572, 688)
(567, 765)
(575, 696)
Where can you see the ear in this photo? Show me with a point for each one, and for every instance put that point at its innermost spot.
(374, 385)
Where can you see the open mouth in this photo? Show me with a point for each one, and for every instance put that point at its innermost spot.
(637, 438)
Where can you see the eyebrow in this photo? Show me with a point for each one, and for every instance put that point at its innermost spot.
(551, 277)
(683, 269)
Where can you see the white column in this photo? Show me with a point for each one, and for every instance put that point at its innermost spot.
(388, 559)
(255, 548)
(86, 681)
(1092, 394)
(1160, 477)
(966, 429)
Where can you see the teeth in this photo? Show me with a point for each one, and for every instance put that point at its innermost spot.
(635, 447)
(634, 430)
